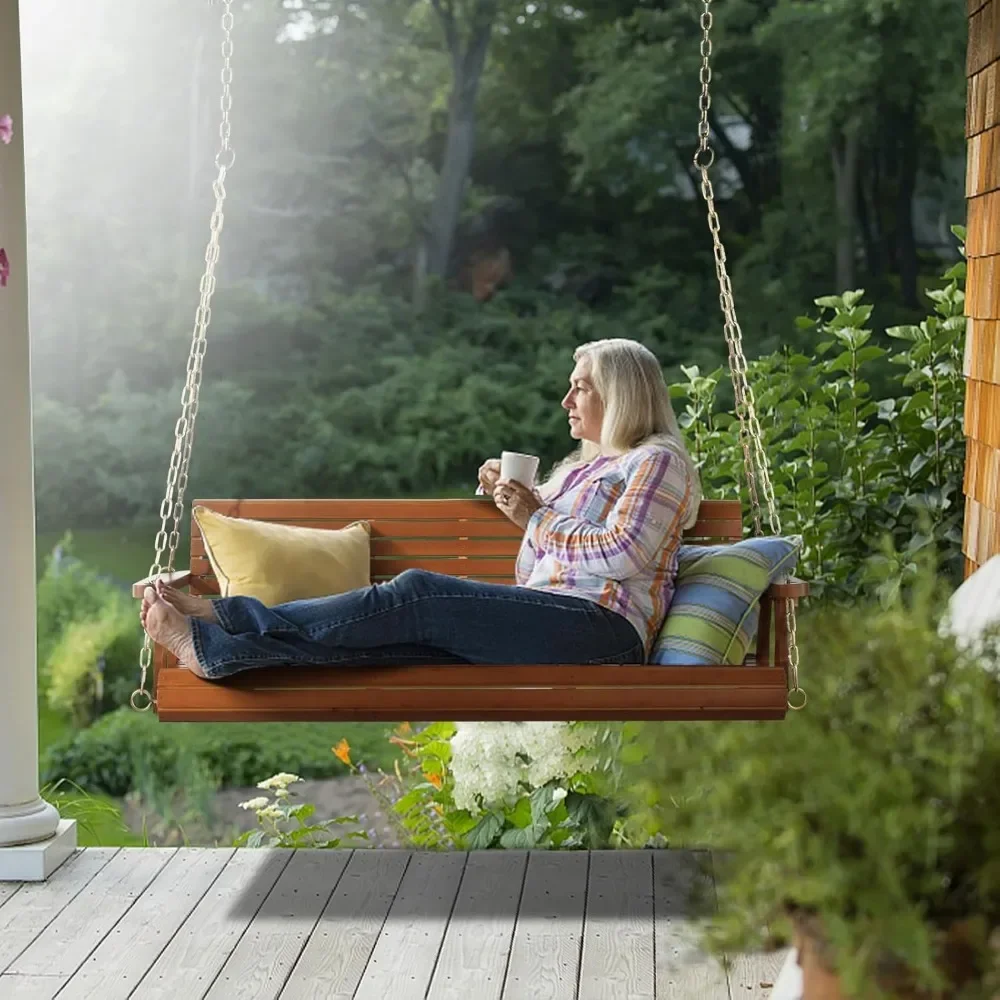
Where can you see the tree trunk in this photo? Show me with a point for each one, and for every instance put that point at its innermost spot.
(460, 144)
(845, 153)
(906, 242)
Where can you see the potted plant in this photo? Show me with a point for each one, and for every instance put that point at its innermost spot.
(865, 828)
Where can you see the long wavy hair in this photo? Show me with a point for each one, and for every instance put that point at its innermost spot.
(637, 410)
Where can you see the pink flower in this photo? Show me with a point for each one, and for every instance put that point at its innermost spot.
(4, 268)
(6, 129)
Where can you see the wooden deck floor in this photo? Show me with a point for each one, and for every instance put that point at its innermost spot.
(182, 924)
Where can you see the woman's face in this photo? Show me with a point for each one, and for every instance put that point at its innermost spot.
(585, 408)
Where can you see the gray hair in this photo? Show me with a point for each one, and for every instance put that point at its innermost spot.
(637, 410)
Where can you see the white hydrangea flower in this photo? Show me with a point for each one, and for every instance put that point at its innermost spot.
(491, 761)
(282, 780)
(271, 812)
(558, 794)
(255, 804)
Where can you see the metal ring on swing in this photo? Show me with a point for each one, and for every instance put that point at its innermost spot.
(797, 707)
(709, 158)
(141, 693)
(225, 158)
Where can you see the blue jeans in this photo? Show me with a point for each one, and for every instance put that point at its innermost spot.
(418, 617)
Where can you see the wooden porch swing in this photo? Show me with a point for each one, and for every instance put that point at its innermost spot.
(467, 537)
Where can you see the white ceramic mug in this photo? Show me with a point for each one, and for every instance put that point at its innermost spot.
(521, 468)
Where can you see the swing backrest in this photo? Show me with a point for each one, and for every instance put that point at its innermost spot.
(465, 537)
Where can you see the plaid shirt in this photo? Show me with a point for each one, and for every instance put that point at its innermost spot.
(611, 533)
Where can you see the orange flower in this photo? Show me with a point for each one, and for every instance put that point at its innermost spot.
(343, 752)
(434, 779)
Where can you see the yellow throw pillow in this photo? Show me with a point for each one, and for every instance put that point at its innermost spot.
(281, 562)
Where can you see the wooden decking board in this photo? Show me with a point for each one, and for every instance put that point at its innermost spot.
(683, 889)
(333, 962)
(261, 962)
(406, 952)
(86, 920)
(618, 961)
(7, 889)
(189, 964)
(30, 911)
(548, 938)
(117, 965)
(476, 949)
(162, 924)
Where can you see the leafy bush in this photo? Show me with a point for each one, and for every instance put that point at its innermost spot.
(849, 466)
(872, 814)
(88, 638)
(499, 785)
(120, 748)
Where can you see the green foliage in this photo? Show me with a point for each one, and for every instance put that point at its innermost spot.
(284, 823)
(88, 639)
(118, 752)
(851, 465)
(571, 812)
(872, 810)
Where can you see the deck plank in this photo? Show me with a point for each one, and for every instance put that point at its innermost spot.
(403, 960)
(683, 890)
(334, 959)
(545, 956)
(478, 939)
(29, 911)
(126, 954)
(618, 961)
(189, 964)
(86, 920)
(7, 889)
(752, 975)
(260, 964)
(14, 987)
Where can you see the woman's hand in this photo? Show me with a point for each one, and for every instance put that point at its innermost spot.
(489, 473)
(516, 501)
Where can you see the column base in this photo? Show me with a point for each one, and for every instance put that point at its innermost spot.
(36, 862)
(789, 983)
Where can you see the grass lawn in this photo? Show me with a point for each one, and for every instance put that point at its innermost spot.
(123, 553)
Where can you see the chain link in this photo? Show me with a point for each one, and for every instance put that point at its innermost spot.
(172, 506)
(751, 437)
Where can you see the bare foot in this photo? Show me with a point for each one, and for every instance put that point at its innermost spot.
(170, 628)
(188, 604)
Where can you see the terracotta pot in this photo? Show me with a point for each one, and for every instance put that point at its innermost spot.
(819, 982)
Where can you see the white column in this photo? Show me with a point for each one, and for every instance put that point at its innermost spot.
(25, 819)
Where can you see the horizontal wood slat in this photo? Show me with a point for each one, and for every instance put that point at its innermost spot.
(469, 692)
(982, 473)
(982, 165)
(982, 531)
(982, 350)
(984, 38)
(982, 412)
(983, 106)
(982, 288)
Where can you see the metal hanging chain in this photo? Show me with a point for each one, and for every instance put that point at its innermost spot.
(751, 436)
(172, 506)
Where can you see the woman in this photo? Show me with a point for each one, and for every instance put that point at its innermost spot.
(594, 574)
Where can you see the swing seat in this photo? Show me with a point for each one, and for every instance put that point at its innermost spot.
(468, 538)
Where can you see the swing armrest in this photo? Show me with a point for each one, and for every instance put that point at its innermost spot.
(793, 588)
(179, 578)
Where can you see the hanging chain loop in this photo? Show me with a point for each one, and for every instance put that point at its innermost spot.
(172, 506)
(755, 462)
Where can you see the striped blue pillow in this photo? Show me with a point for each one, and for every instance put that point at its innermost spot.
(714, 611)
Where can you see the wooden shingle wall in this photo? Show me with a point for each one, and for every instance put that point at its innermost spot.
(981, 536)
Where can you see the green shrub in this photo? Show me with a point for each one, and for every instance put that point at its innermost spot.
(850, 465)
(122, 747)
(872, 813)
